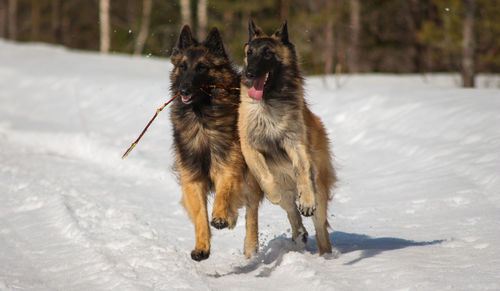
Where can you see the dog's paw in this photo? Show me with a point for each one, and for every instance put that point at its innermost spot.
(307, 202)
(200, 255)
(219, 222)
(301, 238)
(249, 253)
(231, 220)
(306, 209)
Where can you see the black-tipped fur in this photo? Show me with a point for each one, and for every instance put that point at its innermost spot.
(206, 140)
(212, 112)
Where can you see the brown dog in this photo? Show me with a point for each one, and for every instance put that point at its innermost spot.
(207, 143)
(284, 144)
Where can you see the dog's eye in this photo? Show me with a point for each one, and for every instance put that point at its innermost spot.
(183, 66)
(201, 68)
(249, 52)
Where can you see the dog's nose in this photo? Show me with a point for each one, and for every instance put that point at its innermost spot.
(184, 92)
(249, 75)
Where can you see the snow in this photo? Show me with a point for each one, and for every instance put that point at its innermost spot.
(417, 206)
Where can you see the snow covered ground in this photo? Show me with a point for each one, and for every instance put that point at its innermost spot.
(417, 206)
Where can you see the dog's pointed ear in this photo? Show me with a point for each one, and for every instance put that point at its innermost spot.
(214, 43)
(185, 40)
(282, 33)
(253, 30)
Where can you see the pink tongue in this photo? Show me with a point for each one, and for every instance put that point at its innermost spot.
(257, 89)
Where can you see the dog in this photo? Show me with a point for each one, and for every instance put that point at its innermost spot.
(284, 144)
(206, 140)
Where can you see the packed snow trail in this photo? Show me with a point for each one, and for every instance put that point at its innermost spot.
(417, 205)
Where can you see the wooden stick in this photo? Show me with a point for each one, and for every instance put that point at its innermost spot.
(222, 87)
(147, 126)
(161, 108)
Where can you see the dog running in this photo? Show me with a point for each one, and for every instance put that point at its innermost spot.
(284, 144)
(206, 140)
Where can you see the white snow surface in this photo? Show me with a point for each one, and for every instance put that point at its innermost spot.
(416, 208)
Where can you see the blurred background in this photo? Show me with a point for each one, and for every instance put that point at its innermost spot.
(332, 36)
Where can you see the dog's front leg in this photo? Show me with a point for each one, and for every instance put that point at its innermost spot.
(227, 192)
(258, 166)
(194, 200)
(305, 177)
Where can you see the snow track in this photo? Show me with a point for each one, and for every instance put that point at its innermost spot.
(417, 206)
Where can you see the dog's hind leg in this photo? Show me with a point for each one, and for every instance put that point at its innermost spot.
(320, 221)
(252, 228)
(299, 233)
(194, 200)
(253, 195)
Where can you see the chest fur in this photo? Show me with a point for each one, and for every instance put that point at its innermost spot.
(203, 140)
(268, 127)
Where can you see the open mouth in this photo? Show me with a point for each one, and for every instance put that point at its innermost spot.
(257, 89)
(186, 99)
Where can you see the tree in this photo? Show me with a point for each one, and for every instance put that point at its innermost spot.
(355, 21)
(468, 44)
(12, 19)
(56, 20)
(202, 18)
(186, 12)
(284, 9)
(3, 17)
(104, 26)
(143, 33)
(416, 12)
(35, 20)
(329, 40)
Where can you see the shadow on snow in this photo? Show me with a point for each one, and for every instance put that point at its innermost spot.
(268, 259)
(369, 246)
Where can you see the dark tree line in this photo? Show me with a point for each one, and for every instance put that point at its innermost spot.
(331, 35)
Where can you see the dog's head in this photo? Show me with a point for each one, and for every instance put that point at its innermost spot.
(266, 57)
(196, 65)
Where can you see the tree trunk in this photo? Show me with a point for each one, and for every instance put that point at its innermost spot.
(329, 40)
(56, 21)
(186, 12)
(65, 24)
(104, 25)
(353, 56)
(3, 17)
(12, 14)
(202, 18)
(228, 18)
(468, 44)
(447, 42)
(143, 33)
(284, 9)
(35, 20)
(414, 18)
(132, 15)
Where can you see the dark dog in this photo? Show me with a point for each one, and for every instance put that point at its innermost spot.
(207, 144)
(284, 144)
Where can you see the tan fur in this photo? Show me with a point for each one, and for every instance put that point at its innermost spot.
(234, 188)
(278, 180)
(286, 147)
(208, 153)
(194, 201)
